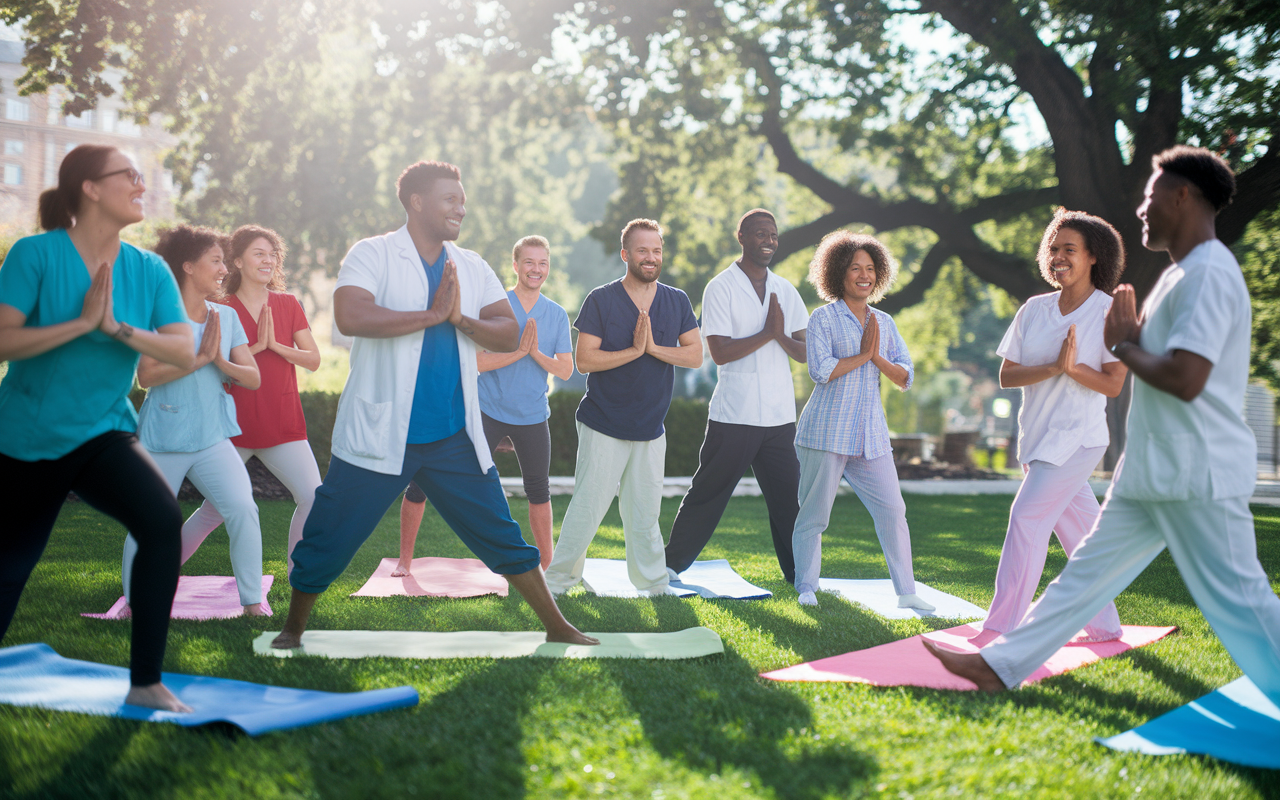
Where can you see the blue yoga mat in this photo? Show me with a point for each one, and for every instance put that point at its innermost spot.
(714, 578)
(1237, 723)
(35, 675)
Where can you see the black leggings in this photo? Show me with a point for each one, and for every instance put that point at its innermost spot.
(113, 474)
(533, 451)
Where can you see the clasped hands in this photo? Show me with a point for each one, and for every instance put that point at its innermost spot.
(446, 306)
(98, 312)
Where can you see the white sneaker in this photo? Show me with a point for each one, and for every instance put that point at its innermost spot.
(808, 599)
(913, 601)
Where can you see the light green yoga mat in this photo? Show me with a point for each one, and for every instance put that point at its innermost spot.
(688, 643)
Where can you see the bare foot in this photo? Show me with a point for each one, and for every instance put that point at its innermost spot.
(970, 666)
(914, 600)
(255, 610)
(402, 570)
(570, 635)
(287, 641)
(156, 696)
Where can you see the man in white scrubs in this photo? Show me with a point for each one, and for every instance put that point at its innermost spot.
(754, 322)
(1187, 473)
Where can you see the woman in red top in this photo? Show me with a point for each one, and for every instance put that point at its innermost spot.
(271, 422)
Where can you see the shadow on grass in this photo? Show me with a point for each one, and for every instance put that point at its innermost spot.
(714, 713)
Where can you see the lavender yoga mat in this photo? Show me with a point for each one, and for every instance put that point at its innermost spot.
(35, 675)
(434, 577)
(201, 597)
(907, 663)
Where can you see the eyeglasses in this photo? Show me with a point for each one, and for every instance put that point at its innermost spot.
(132, 174)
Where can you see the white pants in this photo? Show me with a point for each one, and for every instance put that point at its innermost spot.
(1052, 499)
(1213, 544)
(220, 476)
(294, 465)
(634, 470)
(876, 483)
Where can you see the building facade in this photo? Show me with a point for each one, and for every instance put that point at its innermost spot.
(35, 136)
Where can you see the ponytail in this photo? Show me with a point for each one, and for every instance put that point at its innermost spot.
(59, 205)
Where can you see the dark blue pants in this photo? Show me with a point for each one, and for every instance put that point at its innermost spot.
(352, 501)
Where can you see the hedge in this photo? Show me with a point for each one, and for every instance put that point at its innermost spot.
(686, 423)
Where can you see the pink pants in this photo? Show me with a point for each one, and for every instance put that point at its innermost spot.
(1052, 499)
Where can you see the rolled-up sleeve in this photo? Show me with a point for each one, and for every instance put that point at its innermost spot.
(821, 360)
(897, 352)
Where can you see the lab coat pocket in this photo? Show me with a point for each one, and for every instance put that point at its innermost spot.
(1170, 462)
(363, 428)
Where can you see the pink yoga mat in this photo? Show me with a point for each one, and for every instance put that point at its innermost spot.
(907, 663)
(434, 577)
(201, 597)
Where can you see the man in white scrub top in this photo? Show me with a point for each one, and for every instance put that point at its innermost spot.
(1187, 472)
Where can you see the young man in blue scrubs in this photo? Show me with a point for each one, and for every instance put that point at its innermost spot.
(418, 308)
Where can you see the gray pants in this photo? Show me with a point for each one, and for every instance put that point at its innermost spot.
(876, 483)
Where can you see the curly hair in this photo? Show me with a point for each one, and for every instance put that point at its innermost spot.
(835, 253)
(1102, 240)
(187, 244)
(244, 236)
(1203, 169)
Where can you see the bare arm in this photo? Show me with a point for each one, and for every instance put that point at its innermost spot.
(153, 373)
(305, 354)
(1107, 382)
(241, 369)
(495, 330)
(687, 353)
(18, 341)
(357, 314)
(487, 362)
(561, 366)
(894, 372)
(1014, 375)
(591, 358)
(724, 349)
(870, 352)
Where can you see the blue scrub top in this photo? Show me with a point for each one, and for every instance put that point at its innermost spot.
(52, 403)
(438, 407)
(517, 393)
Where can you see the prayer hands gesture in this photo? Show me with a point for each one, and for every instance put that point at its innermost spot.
(774, 321)
(266, 330)
(448, 300)
(643, 336)
(871, 337)
(529, 339)
(1067, 355)
(98, 310)
(1122, 319)
(210, 349)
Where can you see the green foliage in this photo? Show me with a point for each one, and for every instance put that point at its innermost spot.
(1260, 259)
(708, 727)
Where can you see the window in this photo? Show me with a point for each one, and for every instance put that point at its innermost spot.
(127, 127)
(13, 174)
(85, 120)
(109, 118)
(69, 146)
(13, 147)
(17, 110)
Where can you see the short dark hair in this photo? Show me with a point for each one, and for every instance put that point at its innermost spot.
(835, 253)
(417, 178)
(244, 236)
(752, 214)
(59, 204)
(1102, 240)
(1203, 169)
(640, 225)
(182, 244)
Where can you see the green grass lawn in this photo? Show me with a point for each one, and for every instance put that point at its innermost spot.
(560, 728)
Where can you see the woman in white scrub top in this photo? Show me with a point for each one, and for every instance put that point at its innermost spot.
(1055, 352)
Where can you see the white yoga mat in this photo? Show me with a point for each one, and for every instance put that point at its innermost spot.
(879, 596)
(608, 577)
(688, 643)
(716, 579)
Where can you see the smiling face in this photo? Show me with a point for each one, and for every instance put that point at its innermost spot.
(440, 209)
(759, 240)
(1069, 258)
(643, 255)
(860, 277)
(532, 267)
(259, 262)
(204, 275)
(116, 194)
